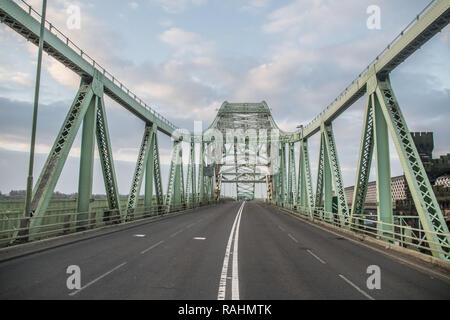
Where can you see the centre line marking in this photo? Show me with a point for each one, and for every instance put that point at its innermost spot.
(96, 279)
(235, 271)
(315, 256)
(199, 238)
(224, 274)
(153, 246)
(356, 287)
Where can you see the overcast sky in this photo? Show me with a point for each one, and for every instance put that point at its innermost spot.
(185, 57)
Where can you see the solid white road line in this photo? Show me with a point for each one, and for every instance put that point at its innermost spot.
(315, 256)
(96, 279)
(356, 287)
(235, 271)
(199, 238)
(153, 246)
(224, 274)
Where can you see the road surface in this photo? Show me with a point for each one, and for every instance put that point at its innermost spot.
(231, 251)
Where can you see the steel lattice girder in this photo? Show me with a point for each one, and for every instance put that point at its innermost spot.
(155, 166)
(175, 189)
(305, 196)
(201, 177)
(336, 174)
(324, 190)
(364, 161)
(106, 160)
(49, 176)
(191, 177)
(291, 176)
(320, 169)
(141, 163)
(422, 193)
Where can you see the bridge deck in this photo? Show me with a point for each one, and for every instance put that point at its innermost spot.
(279, 257)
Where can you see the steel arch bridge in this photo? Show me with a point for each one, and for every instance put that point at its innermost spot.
(243, 146)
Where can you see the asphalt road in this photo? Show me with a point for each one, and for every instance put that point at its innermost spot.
(231, 251)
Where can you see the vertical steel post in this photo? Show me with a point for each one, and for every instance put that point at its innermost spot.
(86, 165)
(327, 183)
(150, 172)
(201, 177)
(383, 169)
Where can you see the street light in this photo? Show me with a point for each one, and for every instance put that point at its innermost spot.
(23, 233)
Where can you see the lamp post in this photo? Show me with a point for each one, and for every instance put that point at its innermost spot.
(24, 231)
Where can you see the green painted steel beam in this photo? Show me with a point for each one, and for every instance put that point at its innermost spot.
(383, 169)
(364, 159)
(421, 190)
(86, 164)
(292, 193)
(174, 198)
(150, 171)
(107, 162)
(156, 171)
(49, 176)
(335, 168)
(305, 196)
(327, 181)
(139, 171)
(191, 192)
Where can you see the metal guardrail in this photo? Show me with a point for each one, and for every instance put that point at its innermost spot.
(33, 13)
(62, 223)
(397, 234)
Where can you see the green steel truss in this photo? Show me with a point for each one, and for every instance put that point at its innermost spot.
(48, 178)
(88, 107)
(335, 168)
(106, 160)
(419, 185)
(175, 188)
(365, 160)
(383, 115)
(292, 192)
(191, 190)
(305, 196)
(251, 124)
(148, 162)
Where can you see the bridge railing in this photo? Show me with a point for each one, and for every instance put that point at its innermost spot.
(58, 222)
(55, 31)
(397, 233)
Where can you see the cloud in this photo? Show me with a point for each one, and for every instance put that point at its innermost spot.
(311, 50)
(254, 6)
(178, 6)
(19, 78)
(185, 42)
(133, 5)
